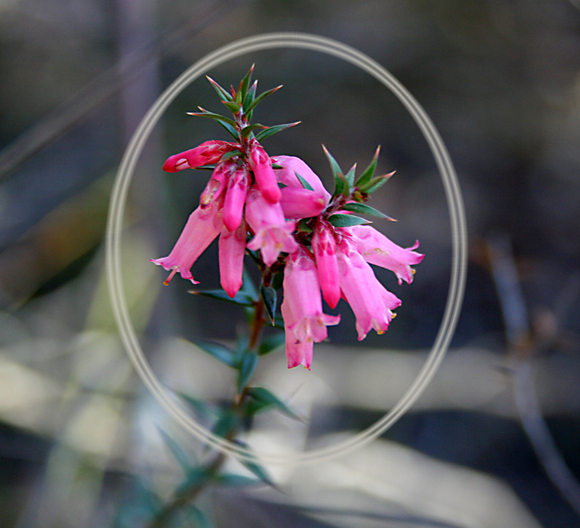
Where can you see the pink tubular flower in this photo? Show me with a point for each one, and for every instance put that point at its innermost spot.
(324, 248)
(304, 321)
(202, 227)
(287, 175)
(263, 173)
(371, 303)
(273, 234)
(298, 203)
(377, 249)
(235, 198)
(205, 154)
(232, 246)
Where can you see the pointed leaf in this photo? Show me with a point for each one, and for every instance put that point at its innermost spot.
(226, 424)
(246, 369)
(199, 519)
(248, 287)
(269, 296)
(241, 298)
(270, 131)
(267, 399)
(303, 182)
(213, 115)
(199, 406)
(180, 455)
(220, 352)
(366, 209)
(250, 96)
(369, 172)
(233, 106)
(335, 167)
(250, 128)
(349, 176)
(196, 476)
(261, 97)
(237, 481)
(253, 466)
(343, 220)
(231, 154)
(376, 183)
(271, 343)
(222, 92)
(243, 89)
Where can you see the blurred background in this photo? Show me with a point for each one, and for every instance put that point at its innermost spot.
(493, 442)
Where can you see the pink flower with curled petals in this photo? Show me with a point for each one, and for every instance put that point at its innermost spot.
(232, 246)
(272, 233)
(377, 249)
(324, 248)
(304, 321)
(237, 191)
(205, 154)
(291, 165)
(370, 301)
(261, 166)
(299, 203)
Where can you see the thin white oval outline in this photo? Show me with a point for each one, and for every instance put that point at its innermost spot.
(454, 203)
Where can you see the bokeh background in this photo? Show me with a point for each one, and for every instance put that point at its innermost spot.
(495, 439)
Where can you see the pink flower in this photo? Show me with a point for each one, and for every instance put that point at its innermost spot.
(232, 246)
(273, 234)
(202, 227)
(263, 173)
(377, 249)
(371, 303)
(287, 175)
(299, 203)
(235, 198)
(304, 321)
(324, 248)
(205, 154)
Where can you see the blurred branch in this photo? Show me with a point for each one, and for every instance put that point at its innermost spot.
(100, 90)
(523, 343)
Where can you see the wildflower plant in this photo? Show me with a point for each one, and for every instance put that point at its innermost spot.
(309, 245)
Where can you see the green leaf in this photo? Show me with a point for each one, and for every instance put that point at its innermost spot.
(241, 298)
(260, 98)
(335, 167)
(237, 481)
(248, 287)
(250, 96)
(213, 115)
(269, 296)
(199, 406)
(246, 369)
(271, 343)
(196, 516)
(222, 92)
(349, 176)
(243, 89)
(278, 280)
(303, 226)
(253, 466)
(180, 455)
(231, 154)
(250, 128)
(365, 209)
(267, 399)
(376, 183)
(343, 220)
(226, 424)
(233, 106)
(270, 131)
(368, 173)
(303, 182)
(220, 352)
(196, 476)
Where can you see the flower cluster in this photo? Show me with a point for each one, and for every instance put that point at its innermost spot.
(279, 208)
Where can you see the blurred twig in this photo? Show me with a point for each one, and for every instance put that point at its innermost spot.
(523, 343)
(105, 86)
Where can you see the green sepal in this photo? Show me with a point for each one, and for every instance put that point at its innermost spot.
(241, 298)
(270, 131)
(349, 176)
(271, 343)
(237, 481)
(254, 467)
(181, 456)
(224, 95)
(269, 295)
(250, 128)
(369, 172)
(365, 209)
(221, 352)
(303, 182)
(226, 424)
(246, 369)
(263, 399)
(260, 98)
(343, 220)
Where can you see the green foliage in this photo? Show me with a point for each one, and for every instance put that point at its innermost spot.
(344, 220)
(185, 461)
(271, 343)
(269, 296)
(241, 298)
(246, 369)
(270, 131)
(221, 352)
(366, 209)
(262, 399)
